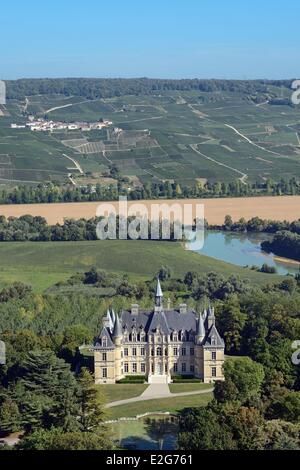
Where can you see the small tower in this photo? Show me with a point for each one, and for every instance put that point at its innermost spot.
(117, 339)
(117, 332)
(200, 333)
(107, 321)
(159, 295)
(199, 338)
(211, 319)
(113, 316)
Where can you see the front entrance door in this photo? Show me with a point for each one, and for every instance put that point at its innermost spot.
(159, 369)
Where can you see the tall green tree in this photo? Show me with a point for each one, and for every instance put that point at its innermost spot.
(247, 376)
(91, 402)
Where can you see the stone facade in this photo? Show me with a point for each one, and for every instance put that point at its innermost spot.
(158, 344)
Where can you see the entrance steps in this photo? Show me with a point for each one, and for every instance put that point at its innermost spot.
(159, 379)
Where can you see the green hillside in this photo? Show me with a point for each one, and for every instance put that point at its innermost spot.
(43, 264)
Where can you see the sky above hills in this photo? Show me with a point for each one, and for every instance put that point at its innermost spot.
(154, 38)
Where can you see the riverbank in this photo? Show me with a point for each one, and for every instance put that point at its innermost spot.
(267, 207)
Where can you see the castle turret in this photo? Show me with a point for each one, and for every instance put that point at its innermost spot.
(200, 332)
(211, 319)
(113, 316)
(117, 331)
(117, 339)
(107, 321)
(159, 295)
(199, 338)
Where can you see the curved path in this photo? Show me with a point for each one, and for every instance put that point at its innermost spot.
(156, 391)
(243, 177)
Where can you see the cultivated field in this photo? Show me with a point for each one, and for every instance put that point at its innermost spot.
(273, 208)
(183, 136)
(46, 263)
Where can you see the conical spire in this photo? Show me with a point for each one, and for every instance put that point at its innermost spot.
(200, 333)
(158, 289)
(159, 295)
(117, 328)
(113, 316)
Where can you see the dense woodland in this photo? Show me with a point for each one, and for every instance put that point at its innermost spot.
(256, 225)
(36, 229)
(257, 407)
(93, 88)
(285, 243)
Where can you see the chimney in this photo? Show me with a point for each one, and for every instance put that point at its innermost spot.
(211, 320)
(183, 309)
(134, 309)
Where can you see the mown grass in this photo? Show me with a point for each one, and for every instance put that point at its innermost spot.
(43, 264)
(117, 392)
(172, 405)
(189, 387)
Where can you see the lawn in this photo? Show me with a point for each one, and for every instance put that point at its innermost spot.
(122, 391)
(188, 387)
(173, 405)
(45, 263)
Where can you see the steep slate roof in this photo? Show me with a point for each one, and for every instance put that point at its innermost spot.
(167, 320)
(104, 333)
(200, 327)
(213, 332)
(117, 328)
(159, 321)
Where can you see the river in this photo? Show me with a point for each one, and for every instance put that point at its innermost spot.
(243, 249)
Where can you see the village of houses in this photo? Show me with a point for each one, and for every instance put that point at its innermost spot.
(43, 125)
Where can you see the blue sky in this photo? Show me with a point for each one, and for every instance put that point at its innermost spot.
(153, 38)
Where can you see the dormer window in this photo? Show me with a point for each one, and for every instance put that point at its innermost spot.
(213, 341)
(175, 337)
(104, 342)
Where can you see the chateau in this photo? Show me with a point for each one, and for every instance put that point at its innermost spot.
(159, 344)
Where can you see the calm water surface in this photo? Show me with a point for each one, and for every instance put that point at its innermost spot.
(243, 250)
(150, 433)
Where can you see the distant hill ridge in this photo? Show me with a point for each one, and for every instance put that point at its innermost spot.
(93, 88)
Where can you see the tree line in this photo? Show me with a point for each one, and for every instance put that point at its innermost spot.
(54, 193)
(96, 88)
(35, 229)
(256, 225)
(284, 243)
